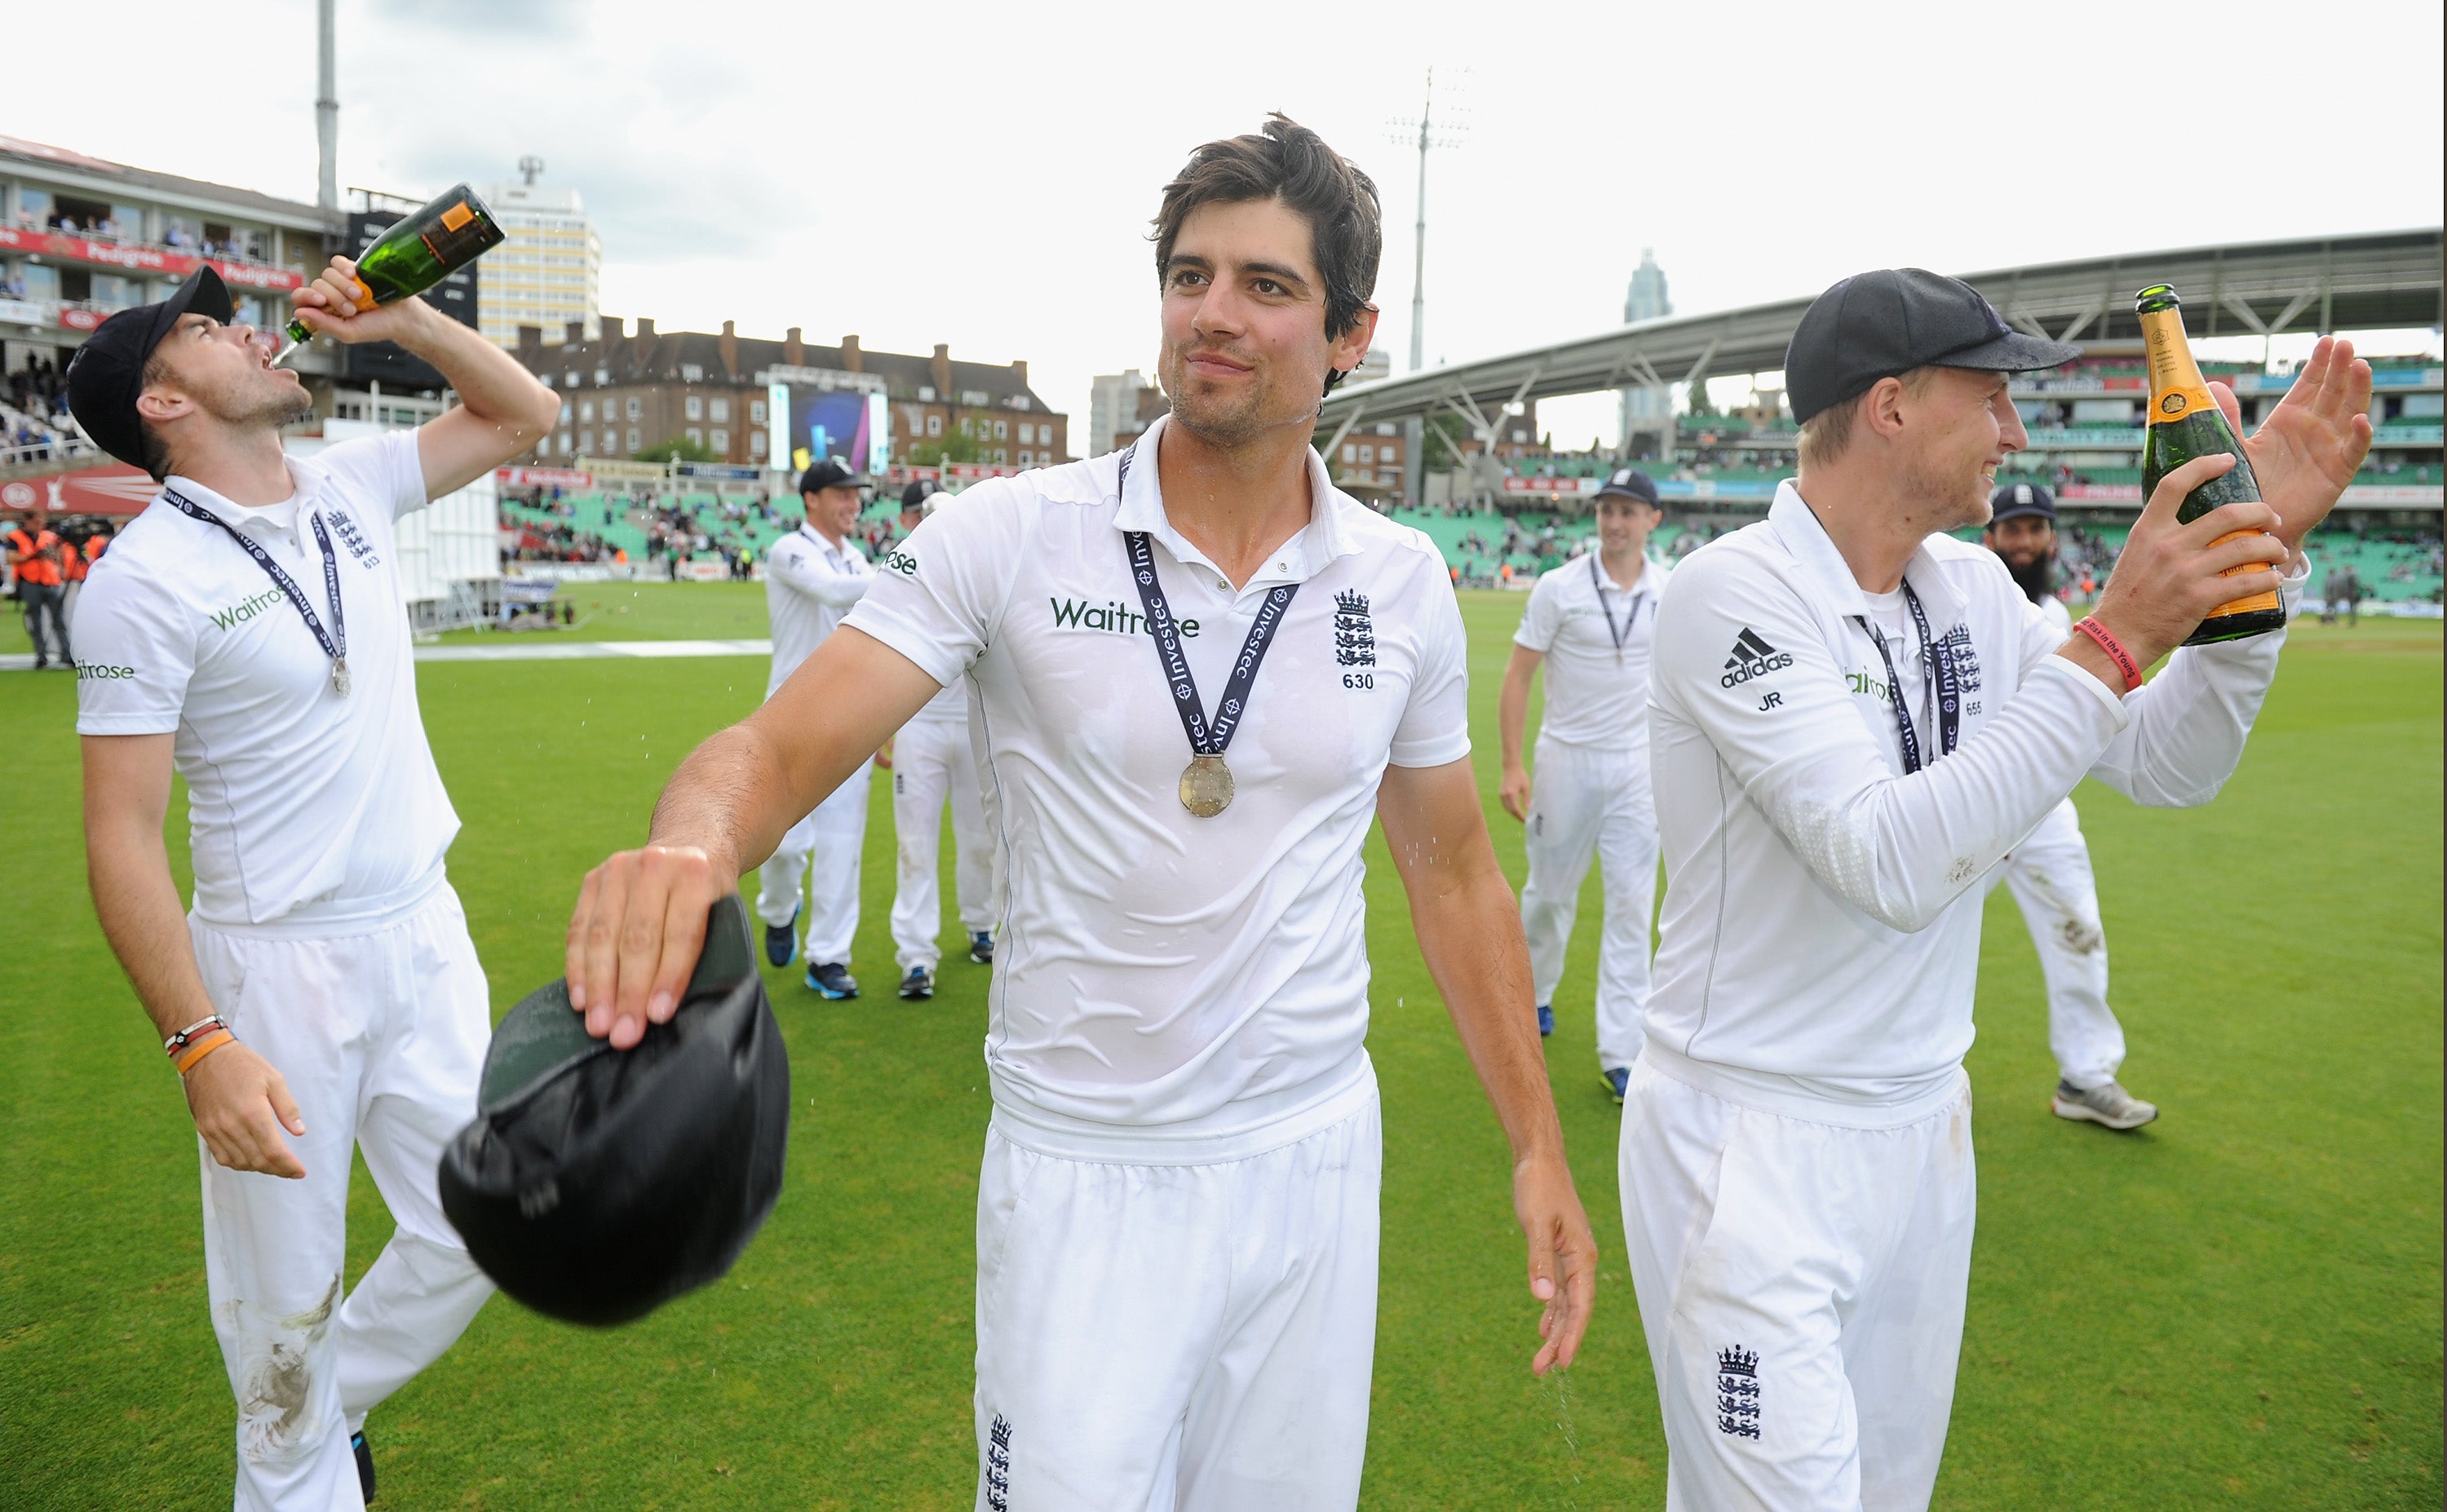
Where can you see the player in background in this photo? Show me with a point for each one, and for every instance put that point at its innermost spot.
(2049, 871)
(246, 632)
(812, 577)
(931, 760)
(1177, 1211)
(1590, 621)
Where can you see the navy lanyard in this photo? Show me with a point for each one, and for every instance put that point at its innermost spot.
(1206, 738)
(1629, 619)
(334, 641)
(1940, 667)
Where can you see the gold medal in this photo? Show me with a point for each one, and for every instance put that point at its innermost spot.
(1205, 786)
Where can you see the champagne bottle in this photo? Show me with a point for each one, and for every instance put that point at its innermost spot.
(419, 251)
(2186, 423)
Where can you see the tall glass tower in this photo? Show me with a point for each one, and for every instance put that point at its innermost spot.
(1645, 408)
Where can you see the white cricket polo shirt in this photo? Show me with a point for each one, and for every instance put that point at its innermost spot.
(1596, 693)
(809, 584)
(306, 808)
(1197, 984)
(1820, 938)
(950, 707)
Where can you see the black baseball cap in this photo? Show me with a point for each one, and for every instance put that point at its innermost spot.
(914, 496)
(830, 473)
(2012, 500)
(1628, 483)
(108, 372)
(1886, 323)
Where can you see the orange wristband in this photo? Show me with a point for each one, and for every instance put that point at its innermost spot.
(204, 1047)
(2115, 652)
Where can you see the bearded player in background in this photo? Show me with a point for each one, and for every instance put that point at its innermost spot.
(2050, 871)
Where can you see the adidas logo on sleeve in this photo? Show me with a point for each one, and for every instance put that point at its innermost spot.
(1753, 657)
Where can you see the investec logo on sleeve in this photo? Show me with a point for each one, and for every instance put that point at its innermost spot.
(1112, 615)
(246, 609)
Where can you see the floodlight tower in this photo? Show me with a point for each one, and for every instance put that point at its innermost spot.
(1428, 131)
(326, 110)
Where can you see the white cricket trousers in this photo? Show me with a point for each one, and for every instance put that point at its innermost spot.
(824, 850)
(1177, 1337)
(2051, 877)
(1589, 801)
(931, 760)
(1802, 1286)
(381, 1037)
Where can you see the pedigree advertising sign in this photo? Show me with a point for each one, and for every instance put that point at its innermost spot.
(145, 259)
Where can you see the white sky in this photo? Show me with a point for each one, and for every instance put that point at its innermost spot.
(983, 174)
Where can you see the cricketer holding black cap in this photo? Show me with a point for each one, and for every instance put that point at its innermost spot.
(322, 994)
(1853, 716)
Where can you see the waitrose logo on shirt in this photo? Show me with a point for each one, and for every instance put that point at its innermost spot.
(246, 609)
(1111, 615)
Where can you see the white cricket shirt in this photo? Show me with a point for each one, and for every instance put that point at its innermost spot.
(1596, 693)
(1820, 939)
(1194, 984)
(305, 809)
(809, 584)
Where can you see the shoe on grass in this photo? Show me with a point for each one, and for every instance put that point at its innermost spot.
(1546, 1019)
(2110, 1105)
(918, 983)
(364, 1465)
(832, 979)
(981, 947)
(1617, 1081)
(782, 940)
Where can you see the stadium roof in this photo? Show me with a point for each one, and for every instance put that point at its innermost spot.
(2382, 281)
(102, 178)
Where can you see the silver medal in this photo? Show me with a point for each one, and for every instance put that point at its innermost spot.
(340, 676)
(1205, 786)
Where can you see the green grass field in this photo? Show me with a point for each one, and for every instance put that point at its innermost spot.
(2238, 1307)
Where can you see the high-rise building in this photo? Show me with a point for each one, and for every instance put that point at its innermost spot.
(1646, 410)
(549, 271)
(1112, 409)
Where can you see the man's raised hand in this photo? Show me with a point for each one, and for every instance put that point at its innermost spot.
(338, 305)
(635, 935)
(2312, 443)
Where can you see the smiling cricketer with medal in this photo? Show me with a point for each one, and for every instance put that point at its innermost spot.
(1177, 1218)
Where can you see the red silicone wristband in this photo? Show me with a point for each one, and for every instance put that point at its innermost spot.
(2115, 652)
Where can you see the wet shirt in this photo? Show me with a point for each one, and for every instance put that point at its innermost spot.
(303, 805)
(1157, 971)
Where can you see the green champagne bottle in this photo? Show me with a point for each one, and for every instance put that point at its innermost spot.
(420, 251)
(2186, 423)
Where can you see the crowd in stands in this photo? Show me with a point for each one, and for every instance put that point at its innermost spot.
(238, 245)
(37, 405)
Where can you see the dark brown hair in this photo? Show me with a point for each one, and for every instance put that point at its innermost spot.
(1291, 163)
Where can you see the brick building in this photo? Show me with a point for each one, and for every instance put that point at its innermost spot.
(624, 391)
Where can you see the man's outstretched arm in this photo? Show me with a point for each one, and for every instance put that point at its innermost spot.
(641, 918)
(1469, 931)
